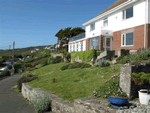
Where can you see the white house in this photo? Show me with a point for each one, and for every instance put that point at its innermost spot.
(124, 25)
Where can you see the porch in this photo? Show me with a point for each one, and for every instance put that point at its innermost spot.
(102, 42)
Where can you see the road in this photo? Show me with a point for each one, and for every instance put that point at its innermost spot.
(10, 101)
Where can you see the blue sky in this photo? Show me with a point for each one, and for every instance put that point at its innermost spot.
(35, 22)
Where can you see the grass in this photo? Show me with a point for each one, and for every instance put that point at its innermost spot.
(72, 83)
(27, 100)
(15, 88)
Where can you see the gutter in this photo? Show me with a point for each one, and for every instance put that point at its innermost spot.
(146, 3)
(110, 11)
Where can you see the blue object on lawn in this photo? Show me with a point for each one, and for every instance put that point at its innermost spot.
(119, 101)
(119, 107)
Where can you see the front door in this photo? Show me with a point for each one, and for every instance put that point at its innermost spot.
(107, 43)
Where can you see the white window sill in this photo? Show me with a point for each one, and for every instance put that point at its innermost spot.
(127, 19)
(127, 46)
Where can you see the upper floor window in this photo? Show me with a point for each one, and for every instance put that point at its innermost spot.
(127, 39)
(105, 22)
(128, 13)
(92, 26)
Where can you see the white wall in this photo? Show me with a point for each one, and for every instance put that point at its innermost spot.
(148, 11)
(116, 23)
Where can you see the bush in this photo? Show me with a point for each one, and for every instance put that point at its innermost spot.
(44, 61)
(5, 72)
(85, 55)
(41, 103)
(103, 63)
(70, 66)
(58, 59)
(119, 58)
(28, 74)
(111, 88)
(28, 65)
(64, 67)
(75, 65)
(17, 65)
(24, 80)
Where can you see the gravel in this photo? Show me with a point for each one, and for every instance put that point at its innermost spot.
(136, 108)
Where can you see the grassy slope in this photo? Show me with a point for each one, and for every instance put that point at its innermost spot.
(20, 51)
(73, 83)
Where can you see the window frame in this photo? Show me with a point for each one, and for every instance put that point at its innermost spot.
(124, 34)
(92, 28)
(104, 20)
(124, 14)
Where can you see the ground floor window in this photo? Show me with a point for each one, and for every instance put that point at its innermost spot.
(94, 43)
(77, 47)
(81, 46)
(127, 39)
(73, 47)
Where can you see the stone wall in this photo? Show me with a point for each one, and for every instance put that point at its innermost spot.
(128, 86)
(58, 105)
(125, 79)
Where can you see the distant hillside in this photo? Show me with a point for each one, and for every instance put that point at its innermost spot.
(21, 50)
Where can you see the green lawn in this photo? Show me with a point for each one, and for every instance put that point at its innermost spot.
(72, 83)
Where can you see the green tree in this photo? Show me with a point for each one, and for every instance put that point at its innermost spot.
(63, 36)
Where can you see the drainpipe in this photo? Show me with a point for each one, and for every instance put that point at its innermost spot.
(145, 23)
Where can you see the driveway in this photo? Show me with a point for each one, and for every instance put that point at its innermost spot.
(10, 101)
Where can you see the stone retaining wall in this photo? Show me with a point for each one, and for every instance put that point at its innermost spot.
(128, 86)
(58, 105)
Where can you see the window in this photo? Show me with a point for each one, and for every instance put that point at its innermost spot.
(70, 48)
(105, 22)
(94, 43)
(127, 39)
(128, 13)
(73, 47)
(77, 47)
(92, 27)
(81, 46)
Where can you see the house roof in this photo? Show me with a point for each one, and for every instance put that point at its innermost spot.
(117, 3)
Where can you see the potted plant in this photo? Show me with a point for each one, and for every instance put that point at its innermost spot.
(142, 79)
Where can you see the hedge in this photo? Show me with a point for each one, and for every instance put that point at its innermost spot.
(85, 55)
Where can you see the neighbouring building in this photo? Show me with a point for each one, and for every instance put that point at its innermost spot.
(124, 25)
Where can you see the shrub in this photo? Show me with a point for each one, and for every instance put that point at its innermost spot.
(58, 59)
(41, 103)
(28, 65)
(70, 66)
(119, 58)
(24, 80)
(85, 66)
(5, 72)
(2, 60)
(111, 88)
(103, 63)
(64, 67)
(44, 61)
(28, 74)
(85, 55)
(17, 65)
(75, 65)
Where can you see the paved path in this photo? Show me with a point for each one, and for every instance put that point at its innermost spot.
(10, 101)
